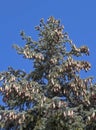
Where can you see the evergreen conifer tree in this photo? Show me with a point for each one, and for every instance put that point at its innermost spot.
(52, 96)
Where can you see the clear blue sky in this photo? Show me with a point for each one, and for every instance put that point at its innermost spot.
(78, 17)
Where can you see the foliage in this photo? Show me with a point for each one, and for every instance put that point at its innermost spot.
(52, 96)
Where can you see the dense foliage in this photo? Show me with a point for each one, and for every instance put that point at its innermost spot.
(52, 96)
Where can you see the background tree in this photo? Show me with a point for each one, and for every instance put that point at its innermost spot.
(52, 96)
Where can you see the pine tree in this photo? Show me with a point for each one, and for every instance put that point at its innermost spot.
(52, 96)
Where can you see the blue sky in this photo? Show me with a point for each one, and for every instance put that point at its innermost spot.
(78, 17)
